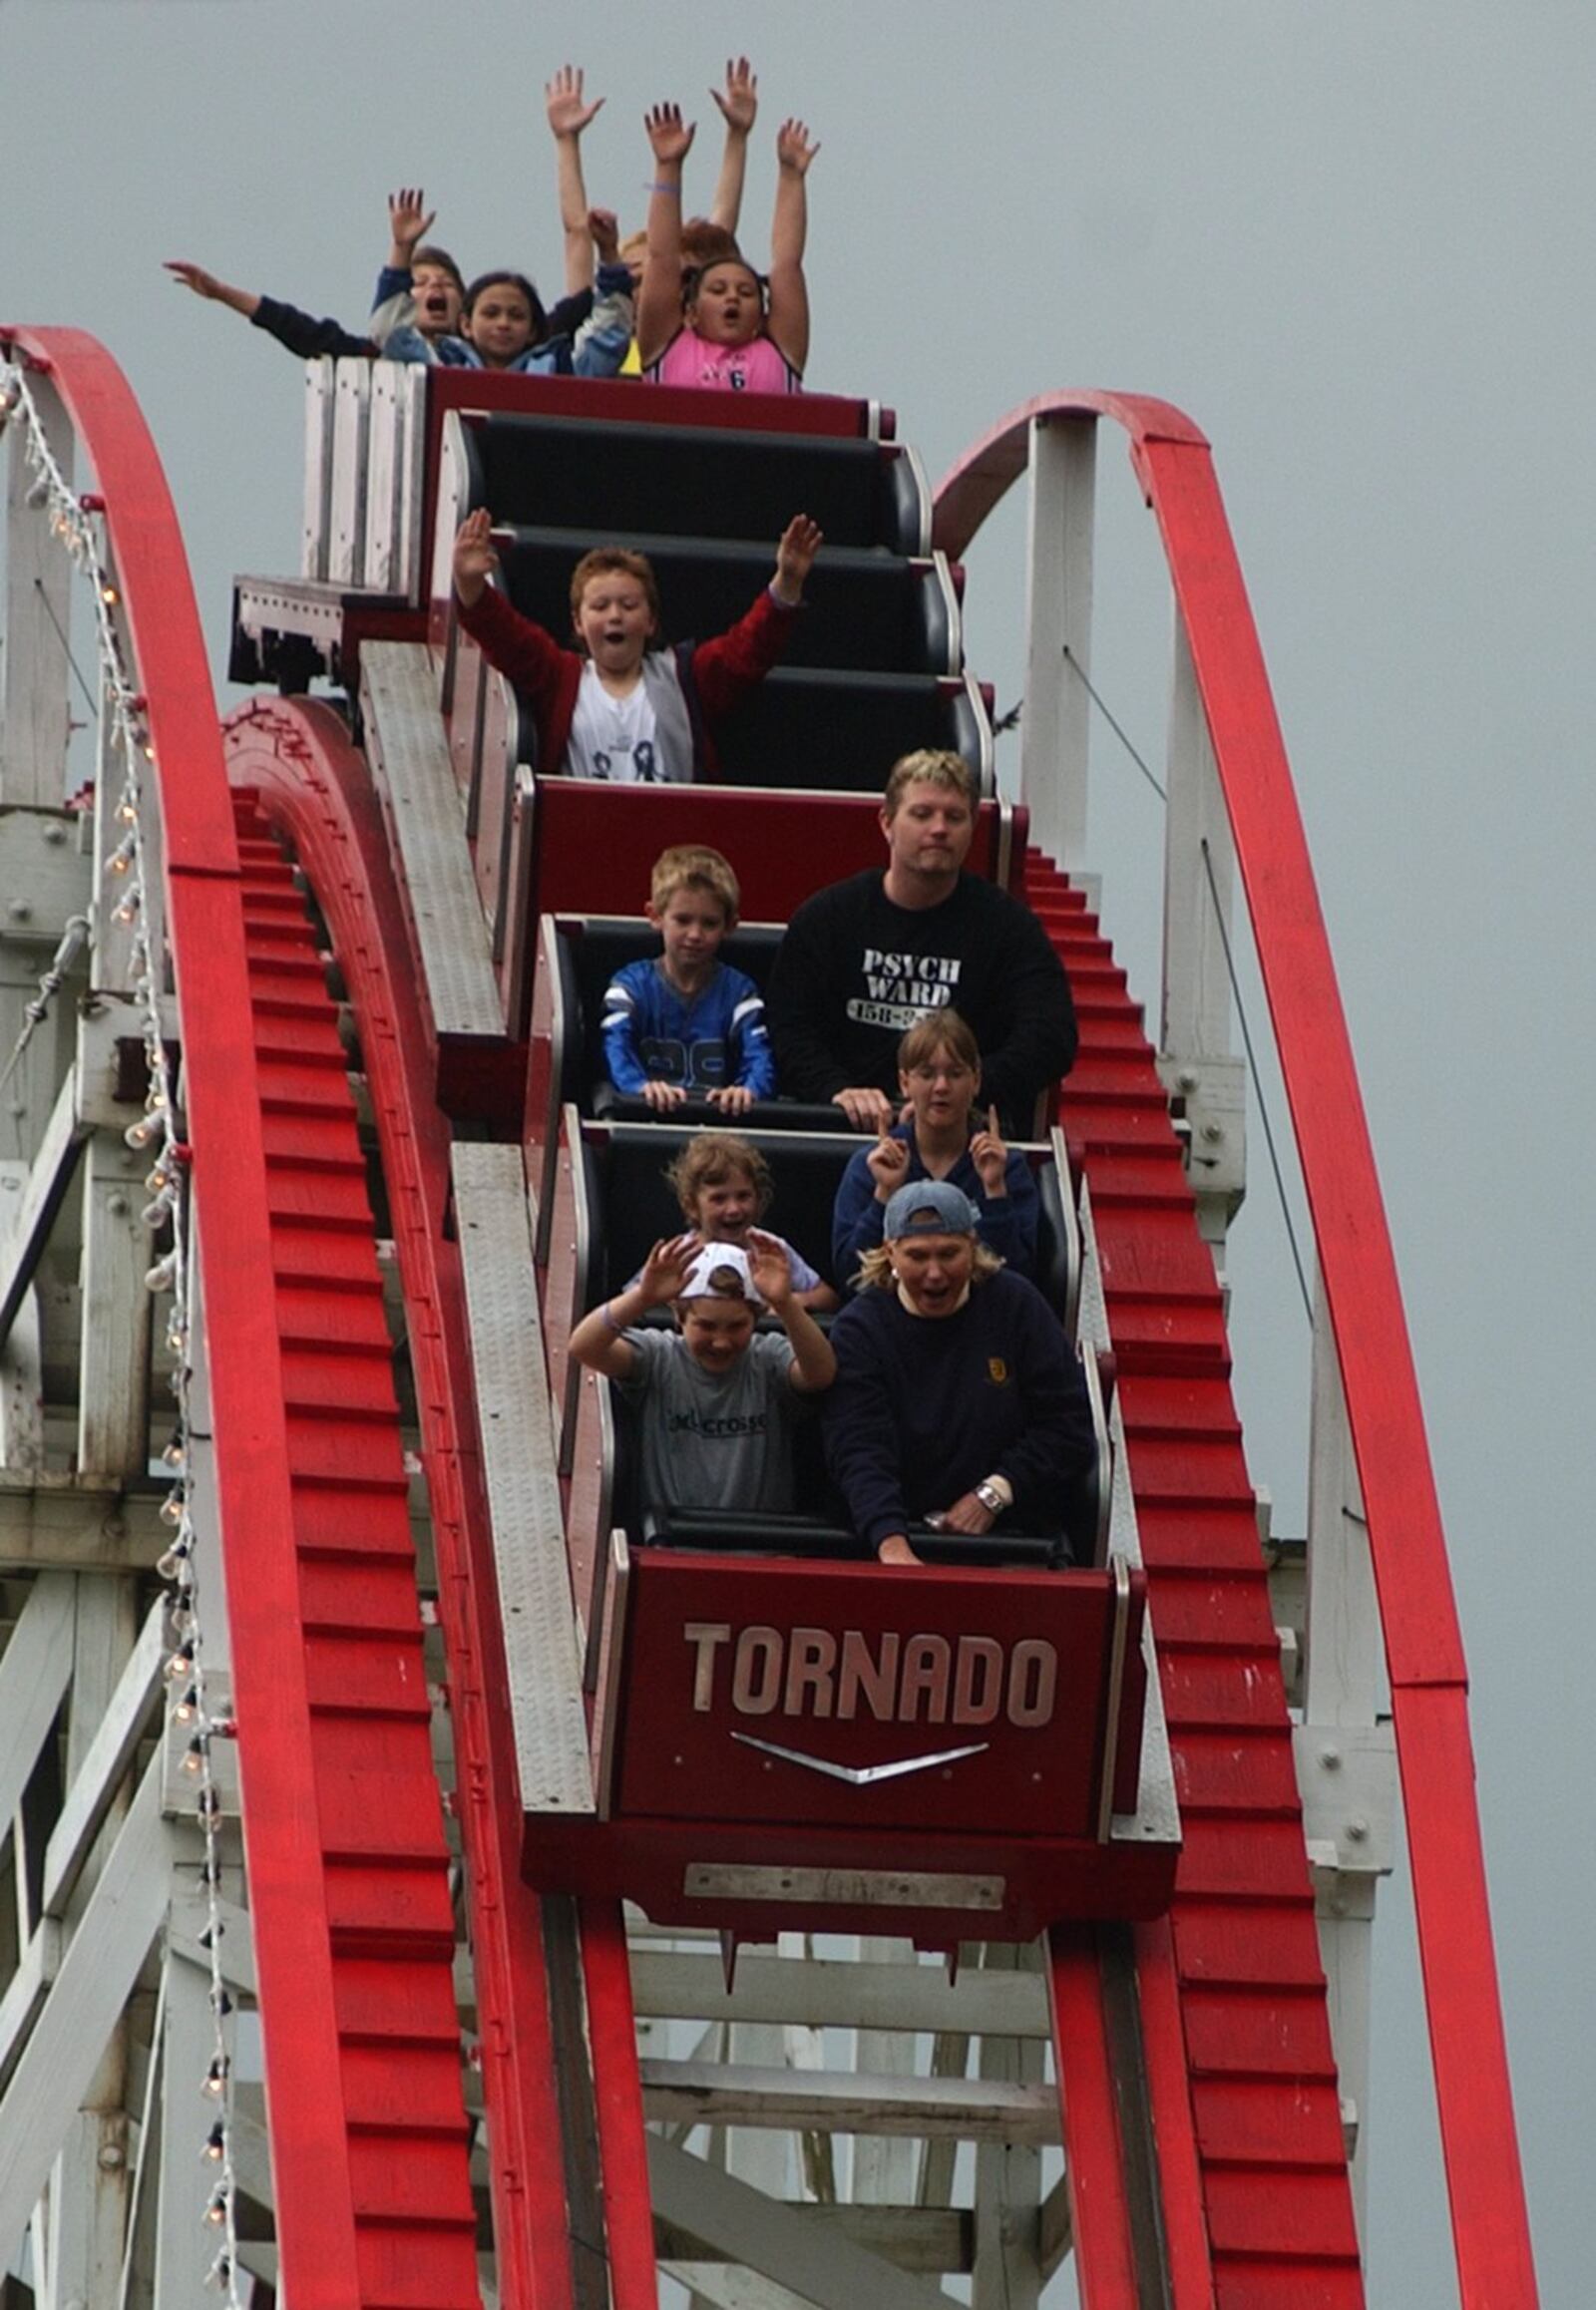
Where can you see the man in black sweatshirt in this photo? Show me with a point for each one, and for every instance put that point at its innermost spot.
(865, 957)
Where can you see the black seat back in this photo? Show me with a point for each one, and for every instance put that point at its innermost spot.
(612, 480)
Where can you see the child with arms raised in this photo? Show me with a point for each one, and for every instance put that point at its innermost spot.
(724, 328)
(614, 708)
(717, 1397)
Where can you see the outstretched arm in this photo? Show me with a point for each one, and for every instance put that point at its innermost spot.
(205, 284)
(659, 297)
(569, 114)
(738, 104)
(788, 324)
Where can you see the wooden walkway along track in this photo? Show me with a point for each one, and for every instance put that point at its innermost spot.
(385, 1881)
(1270, 2180)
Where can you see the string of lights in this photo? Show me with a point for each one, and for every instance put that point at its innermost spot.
(160, 1132)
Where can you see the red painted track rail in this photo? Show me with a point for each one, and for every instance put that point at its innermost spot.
(1423, 1647)
(314, 789)
(314, 2157)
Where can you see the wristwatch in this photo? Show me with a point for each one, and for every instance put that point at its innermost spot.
(991, 1499)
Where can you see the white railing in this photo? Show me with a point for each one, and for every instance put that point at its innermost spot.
(365, 443)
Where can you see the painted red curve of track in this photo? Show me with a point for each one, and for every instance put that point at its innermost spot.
(311, 2158)
(316, 791)
(1424, 1644)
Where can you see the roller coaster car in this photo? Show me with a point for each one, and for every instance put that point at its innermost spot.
(955, 1753)
(783, 1741)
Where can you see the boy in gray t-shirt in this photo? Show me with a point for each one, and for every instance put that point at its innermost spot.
(716, 1396)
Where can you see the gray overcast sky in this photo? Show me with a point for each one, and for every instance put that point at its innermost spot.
(1353, 243)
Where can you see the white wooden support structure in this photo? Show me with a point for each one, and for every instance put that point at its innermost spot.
(21, 1365)
(351, 409)
(1008, 2272)
(1207, 1083)
(88, 2198)
(113, 1361)
(398, 415)
(44, 885)
(803, 2259)
(318, 520)
(1055, 725)
(1346, 1750)
(36, 725)
(883, 2167)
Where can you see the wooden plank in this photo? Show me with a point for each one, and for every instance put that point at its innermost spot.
(410, 756)
(110, 1753)
(834, 1993)
(922, 2240)
(35, 1670)
(95, 1976)
(523, 1488)
(34, 727)
(113, 1361)
(734, 2094)
(21, 1365)
(186, 2244)
(821, 2264)
(51, 1522)
(48, 1181)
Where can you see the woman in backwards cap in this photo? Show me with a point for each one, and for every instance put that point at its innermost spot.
(958, 1402)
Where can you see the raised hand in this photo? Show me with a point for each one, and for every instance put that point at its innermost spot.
(800, 542)
(563, 100)
(990, 1158)
(195, 278)
(668, 137)
(409, 221)
(606, 233)
(887, 1162)
(475, 558)
(770, 1268)
(665, 1269)
(794, 146)
(739, 100)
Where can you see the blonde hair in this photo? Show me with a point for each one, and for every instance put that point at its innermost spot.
(710, 1157)
(875, 1266)
(692, 866)
(930, 767)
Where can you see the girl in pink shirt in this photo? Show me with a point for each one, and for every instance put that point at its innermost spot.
(724, 328)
